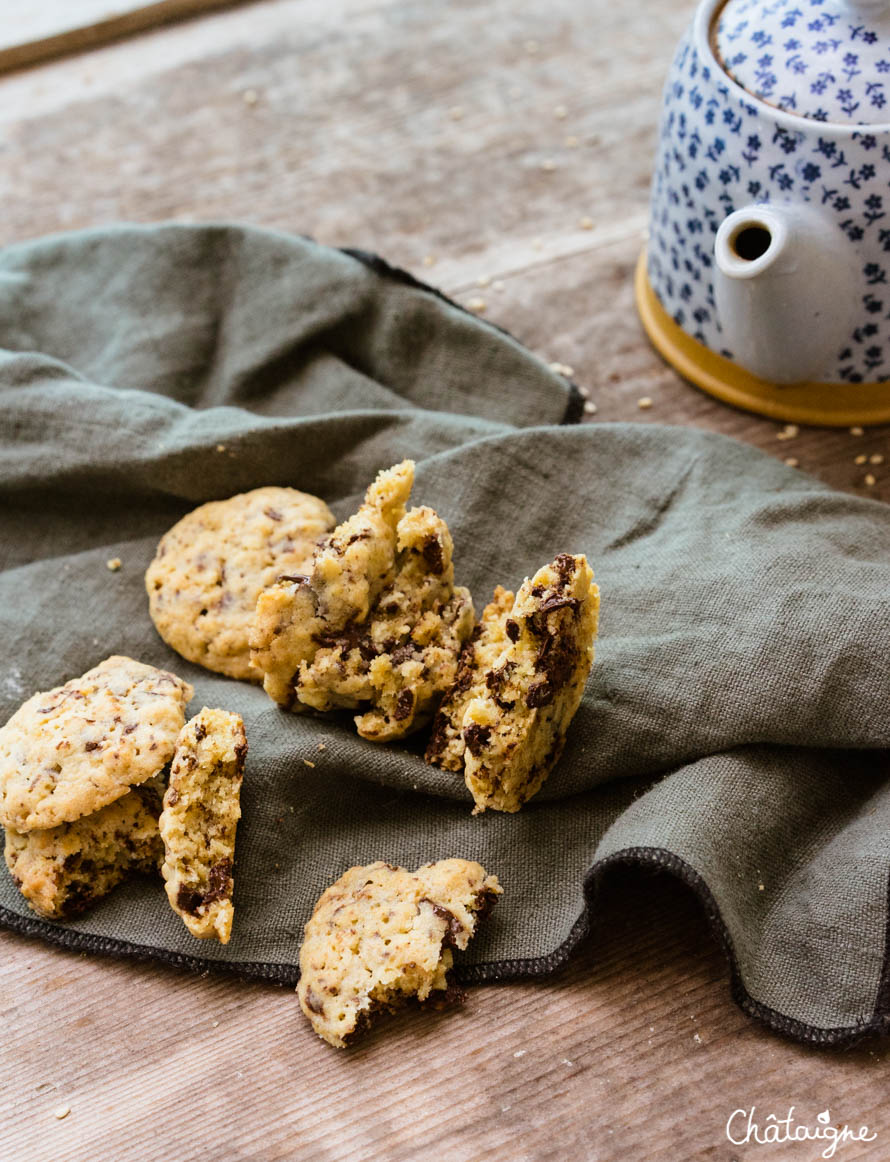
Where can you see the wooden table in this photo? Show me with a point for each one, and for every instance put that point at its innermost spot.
(501, 150)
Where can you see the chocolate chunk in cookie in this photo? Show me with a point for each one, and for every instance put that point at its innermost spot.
(77, 748)
(201, 811)
(382, 935)
(519, 684)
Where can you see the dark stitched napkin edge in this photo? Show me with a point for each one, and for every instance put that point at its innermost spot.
(575, 407)
(647, 858)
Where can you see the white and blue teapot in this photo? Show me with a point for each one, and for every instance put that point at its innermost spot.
(766, 276)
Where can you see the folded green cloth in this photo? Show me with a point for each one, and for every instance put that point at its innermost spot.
(736, 726)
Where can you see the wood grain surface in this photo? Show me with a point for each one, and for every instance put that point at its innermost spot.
(501, 150)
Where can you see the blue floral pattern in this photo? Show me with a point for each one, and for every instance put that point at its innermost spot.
(821, 59)
(719, 151)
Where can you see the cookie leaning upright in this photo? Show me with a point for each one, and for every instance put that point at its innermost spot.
(74, 749)
(211, 566)
(382, 935)
(202, 806)
(377, 625)
(519, 685)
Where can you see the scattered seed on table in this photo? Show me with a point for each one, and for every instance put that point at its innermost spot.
(497, 285)
(250, 97)
(788, 432)
(870, 481)
(61, 1112)
(113, 565)
(590, 408)
(483, 280)
(220, 447)
(429, 260)
(644, 403)
(477, 305)
(531, 46)
(321, 746)
(876, 458)
(585, 223)
(560, 112)
(308, 762)
(792, 462)
(570, 142)
(860, 459)
(548, 165)
(456, 112)
(857, 431)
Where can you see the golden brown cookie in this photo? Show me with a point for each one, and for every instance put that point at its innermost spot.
(382, 935)
(519, 685)
(202, 807)
(61, 871)
(74, 749)
(212, 565)
(378, 624)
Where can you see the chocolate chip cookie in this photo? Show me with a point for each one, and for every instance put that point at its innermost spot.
(519, 684)
(61, 871)
(378, 624)
(202, 806)
(212, 565)
(382, 935)
(72, 750)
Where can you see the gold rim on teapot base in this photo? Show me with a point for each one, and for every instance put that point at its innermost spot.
(830, 405)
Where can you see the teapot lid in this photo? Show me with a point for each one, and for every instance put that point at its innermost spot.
(828, 60)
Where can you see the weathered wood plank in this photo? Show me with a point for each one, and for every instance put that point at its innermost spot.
(32, 32)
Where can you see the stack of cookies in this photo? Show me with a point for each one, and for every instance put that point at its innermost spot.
(84, 801)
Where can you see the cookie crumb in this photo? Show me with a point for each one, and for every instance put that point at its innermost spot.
(113, 564)
(644, 403)
(857, 431)
(870, 481)
(61, 1112)
(590, 408)
(478, 305)
(792, 462)
(308, 763)
(322, 746)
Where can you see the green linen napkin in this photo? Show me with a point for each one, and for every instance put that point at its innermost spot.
(736, 726)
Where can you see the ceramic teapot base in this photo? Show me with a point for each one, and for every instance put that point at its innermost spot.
(831, 405)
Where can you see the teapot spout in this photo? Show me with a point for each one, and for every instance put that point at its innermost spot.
(785, 289)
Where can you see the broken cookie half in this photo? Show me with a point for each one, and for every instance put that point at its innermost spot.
(382, 935)
(378, 624)
(519, 684)
(198, 823)
(62, 871)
